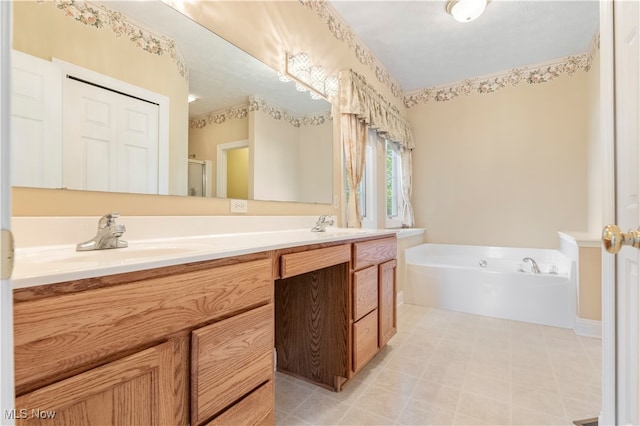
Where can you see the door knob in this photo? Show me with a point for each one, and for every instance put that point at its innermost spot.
(613, 239)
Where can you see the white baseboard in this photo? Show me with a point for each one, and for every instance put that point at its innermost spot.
(588, 328)
(399, 298)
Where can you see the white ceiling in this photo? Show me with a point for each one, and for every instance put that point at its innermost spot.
(422, 46)
(417, 41)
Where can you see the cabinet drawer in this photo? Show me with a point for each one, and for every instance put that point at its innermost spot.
(312, 260)
(365, 291)
(372, 252)
(229, 359)
(255, 409)
(365, 340)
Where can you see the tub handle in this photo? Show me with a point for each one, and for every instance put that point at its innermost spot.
(613, 239)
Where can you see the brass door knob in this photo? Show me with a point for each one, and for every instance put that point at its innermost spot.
(613, 239)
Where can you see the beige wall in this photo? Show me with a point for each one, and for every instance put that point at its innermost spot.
(589, 283)
(504, 169)
(273, 146)
(39, 29)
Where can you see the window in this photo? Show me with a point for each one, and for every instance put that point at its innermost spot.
(381, 184)
(367, 188)
(368, 185)
(393, 186)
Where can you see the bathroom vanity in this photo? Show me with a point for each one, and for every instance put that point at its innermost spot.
(193, 342)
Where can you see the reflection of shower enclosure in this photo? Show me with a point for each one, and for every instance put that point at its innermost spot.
(199, 178)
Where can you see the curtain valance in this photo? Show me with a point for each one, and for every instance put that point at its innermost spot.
(359, 98)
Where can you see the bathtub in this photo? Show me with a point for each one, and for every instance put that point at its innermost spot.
(489, 281)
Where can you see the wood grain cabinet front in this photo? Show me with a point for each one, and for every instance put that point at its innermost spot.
(229, 359)
(365, 291)
(365, 340)
(374, 297)
(256, 409)
(136, 390)
(387, 302)
(141, 348)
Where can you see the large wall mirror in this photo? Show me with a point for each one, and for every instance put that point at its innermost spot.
(100, 102)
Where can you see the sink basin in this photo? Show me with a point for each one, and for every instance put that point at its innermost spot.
(65, 258)
(342, 232)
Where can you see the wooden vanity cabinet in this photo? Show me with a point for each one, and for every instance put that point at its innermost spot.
(335, 308)
(187, 344)
(192, 344)
(374, 298)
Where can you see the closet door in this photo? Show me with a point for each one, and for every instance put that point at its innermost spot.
(110, 140)
(36, 133)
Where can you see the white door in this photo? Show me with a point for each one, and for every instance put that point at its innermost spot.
(36, 120)
(110, 140)
(6, 300)
(621, 366)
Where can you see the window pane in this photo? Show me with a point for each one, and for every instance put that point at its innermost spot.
(392, 180)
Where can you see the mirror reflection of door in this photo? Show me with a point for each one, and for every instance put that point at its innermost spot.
(238, 173)
(232, 170)
(110, 140)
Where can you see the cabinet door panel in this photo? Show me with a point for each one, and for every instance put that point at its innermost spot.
(229, 359)
(136, 390)
(387, 304)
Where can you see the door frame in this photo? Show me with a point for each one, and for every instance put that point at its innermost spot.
(221, 164)
(607, 135)
(7, 392)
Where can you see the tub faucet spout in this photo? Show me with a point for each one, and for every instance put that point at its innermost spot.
(534, 265)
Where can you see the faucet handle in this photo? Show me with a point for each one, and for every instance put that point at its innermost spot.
(108, 219)
(324, 218)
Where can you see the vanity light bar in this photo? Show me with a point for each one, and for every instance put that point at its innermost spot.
(309, 77)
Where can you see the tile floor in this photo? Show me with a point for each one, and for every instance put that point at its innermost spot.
(446, 367)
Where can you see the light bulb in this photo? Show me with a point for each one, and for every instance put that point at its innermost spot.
(466, 10)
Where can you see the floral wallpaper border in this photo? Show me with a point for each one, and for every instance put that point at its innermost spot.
(257, 104)
(539, 74)
(99, 17)
(344, 33)
(535, 75)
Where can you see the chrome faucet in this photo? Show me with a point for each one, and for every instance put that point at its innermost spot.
(322, 223)
(107, 236)
(534, 265)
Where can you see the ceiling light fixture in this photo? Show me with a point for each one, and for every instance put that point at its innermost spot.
(466, 10)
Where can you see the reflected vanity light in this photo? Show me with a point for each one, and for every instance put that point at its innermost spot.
(466, 10)
(191, 98)
(308, 76)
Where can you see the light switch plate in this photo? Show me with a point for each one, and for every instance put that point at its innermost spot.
(238, 206)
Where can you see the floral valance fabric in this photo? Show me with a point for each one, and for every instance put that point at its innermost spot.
(359, 98)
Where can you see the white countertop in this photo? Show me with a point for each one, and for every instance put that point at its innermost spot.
(58, 263)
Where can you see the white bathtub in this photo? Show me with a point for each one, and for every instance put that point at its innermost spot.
(451, 277)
